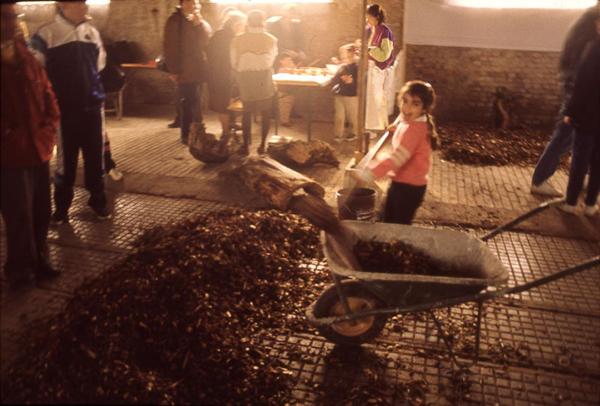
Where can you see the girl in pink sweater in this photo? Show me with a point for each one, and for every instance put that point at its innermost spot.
(409, 162)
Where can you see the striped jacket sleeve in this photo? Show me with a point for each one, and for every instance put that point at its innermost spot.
(408, 139)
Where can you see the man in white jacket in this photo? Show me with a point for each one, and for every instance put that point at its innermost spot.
(252, 57)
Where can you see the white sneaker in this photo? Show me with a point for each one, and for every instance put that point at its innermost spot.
(568, 208)
(545, 189)
(115, 174)
(590, 210)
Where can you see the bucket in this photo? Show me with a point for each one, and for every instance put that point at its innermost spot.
(356, 204)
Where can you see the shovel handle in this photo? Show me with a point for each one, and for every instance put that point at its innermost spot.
(371, 154)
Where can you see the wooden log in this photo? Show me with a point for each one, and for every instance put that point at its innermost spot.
(280, 186)
(301, 153)
(275, 182)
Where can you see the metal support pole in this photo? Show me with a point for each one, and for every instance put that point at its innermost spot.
(310, 108)
(361, 144)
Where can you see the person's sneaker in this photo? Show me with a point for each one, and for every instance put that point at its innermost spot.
(115, 174)
(58, 218)
(338, 139)
(545, 189)
(45, 271)
(174, 124)
(568, 208)
(351, 137)
(103, 213)
(590, 210)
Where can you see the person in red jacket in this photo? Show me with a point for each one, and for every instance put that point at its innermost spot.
(29, 121)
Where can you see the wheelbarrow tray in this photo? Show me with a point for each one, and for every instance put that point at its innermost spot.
(467, 263)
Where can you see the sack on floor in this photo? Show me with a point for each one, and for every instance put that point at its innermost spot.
(205, 147)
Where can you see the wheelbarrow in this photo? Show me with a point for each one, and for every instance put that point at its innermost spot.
(356, 307)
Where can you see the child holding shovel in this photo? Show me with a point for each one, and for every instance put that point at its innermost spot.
(409, 163)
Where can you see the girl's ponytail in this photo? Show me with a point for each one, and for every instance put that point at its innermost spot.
(434, 139)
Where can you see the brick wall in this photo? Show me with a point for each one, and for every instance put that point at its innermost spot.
(466, 78)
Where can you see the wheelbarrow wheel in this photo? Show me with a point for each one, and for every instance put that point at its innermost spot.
(353, 332)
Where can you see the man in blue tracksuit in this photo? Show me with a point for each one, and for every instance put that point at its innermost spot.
(71, 49)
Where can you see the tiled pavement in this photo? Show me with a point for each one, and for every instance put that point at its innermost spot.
(146, 146)
(539, 347)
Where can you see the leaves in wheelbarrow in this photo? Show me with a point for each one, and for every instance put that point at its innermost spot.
(180, 321)
(394, 257)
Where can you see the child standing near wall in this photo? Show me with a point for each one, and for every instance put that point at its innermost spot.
(410, 161)
(345, 96)
(285, 63)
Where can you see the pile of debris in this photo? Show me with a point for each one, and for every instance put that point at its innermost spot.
(479, 145)
(180, 321)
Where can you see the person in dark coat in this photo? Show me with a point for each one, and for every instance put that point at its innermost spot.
(185, 40)
(220, 83)
(583, 113)
(289, 31)
(580, 35)
(29, 120)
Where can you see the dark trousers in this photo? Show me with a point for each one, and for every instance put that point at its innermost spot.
(25, 206)
(81, 130)
(190, 94)
(402, 202)
(586, 156)
(265, 109)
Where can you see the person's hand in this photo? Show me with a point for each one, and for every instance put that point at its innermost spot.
(567, 120)
(335, 60)
(347, 79)
(196, 19)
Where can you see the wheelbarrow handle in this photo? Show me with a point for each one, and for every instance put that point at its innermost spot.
(582, 266)
(521, 218)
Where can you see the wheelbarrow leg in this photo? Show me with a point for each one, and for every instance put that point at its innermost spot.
(444, 338)
(478, 331)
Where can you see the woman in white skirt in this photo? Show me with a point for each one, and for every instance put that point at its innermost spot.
(380, 74)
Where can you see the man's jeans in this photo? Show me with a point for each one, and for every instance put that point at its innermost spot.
(560, 143)
(586, 156)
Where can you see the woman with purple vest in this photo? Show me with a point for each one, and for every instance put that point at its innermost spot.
(380, 51)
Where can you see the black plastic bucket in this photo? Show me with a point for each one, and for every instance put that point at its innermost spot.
(356, 204)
